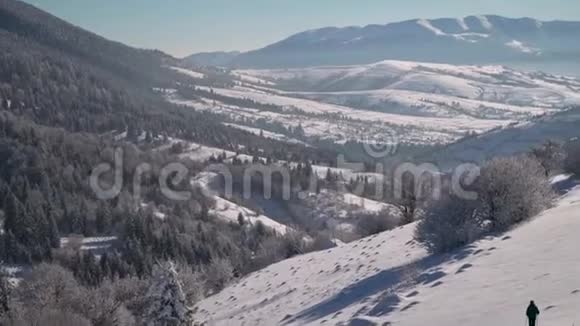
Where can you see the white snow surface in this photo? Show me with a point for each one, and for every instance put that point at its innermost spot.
(388, 279)
(266, 134)
(519, 46)
(229, 211)
(399, 101)
(427, 25)
(188, 72)
(89, 243)
(485, 22)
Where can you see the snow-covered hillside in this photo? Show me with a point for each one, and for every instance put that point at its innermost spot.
(494, 84)
(391, 101)
(389, 280)
(514, 139)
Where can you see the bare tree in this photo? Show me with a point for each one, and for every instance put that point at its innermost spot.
(218, 274)
(551, 156)
(448, 224)
(513, 189)
(572, 162)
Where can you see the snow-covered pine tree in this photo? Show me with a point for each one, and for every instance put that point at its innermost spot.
(167, 305)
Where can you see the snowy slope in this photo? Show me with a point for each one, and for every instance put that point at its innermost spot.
(341, 122)
(188, 72)
(496, 84)
(266, 134)
(514, 139)
(394, 101)
(389, 280)
(229, 211)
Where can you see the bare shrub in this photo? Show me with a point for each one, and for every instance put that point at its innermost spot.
(321, 241)
(449, 224)
(49, 286)
(374, 223)
(192, 284)
(218, 275)
(49, 317)
(572, 162)
(551, 156)
(510, 190)
(275, 249)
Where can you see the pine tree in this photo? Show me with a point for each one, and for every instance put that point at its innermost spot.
(241, 219)
(5, 291)
(104, 219)
(167, 305)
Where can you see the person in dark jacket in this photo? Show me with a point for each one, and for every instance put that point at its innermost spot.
(532, 312)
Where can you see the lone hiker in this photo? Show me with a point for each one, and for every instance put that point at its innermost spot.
(532, 312)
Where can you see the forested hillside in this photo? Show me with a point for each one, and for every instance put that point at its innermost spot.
(65, 97)
(275, 164)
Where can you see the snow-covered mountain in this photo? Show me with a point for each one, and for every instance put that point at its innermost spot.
(473, 39)
(388, 279)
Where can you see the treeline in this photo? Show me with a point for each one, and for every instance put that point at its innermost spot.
(134, 65)
(54, 89)
(194, 93)
(46, 195)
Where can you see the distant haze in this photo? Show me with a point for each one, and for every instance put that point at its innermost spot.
(185, 27)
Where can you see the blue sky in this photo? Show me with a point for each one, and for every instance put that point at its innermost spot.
(182, 27)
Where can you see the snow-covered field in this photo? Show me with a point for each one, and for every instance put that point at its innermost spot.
(201, 153)
(486, 83)
(401, 102)
(340, 123)
(389, 279)
(266, 134)
(96, 245)
(188, 72)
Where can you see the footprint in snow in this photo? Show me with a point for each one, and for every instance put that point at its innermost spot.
(410, 305)
(413, 294)
(436, 284)
(507, 237)
(549, 308)
(575, 292)
(478, 252)
(464, 268)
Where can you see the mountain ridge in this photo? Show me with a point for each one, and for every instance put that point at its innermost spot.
(482, 39)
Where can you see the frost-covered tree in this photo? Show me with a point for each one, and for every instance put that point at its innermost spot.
(572, 162)
(513, 189)
(551, 156)
(167, 305)
(448, 224)
(510, 190)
